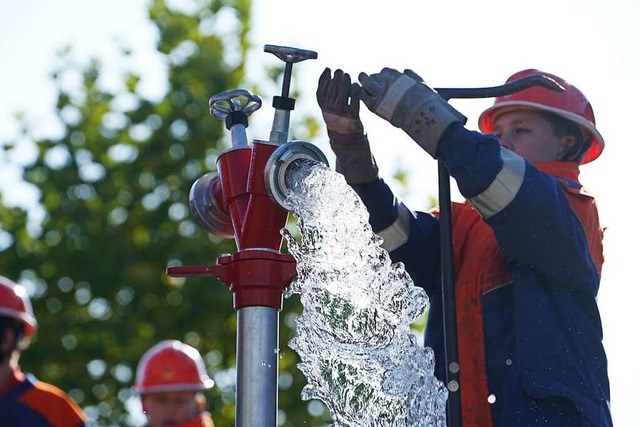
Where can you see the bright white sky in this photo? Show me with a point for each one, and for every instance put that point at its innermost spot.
(454, 43)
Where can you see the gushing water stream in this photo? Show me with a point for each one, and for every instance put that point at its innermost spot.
(353, 337)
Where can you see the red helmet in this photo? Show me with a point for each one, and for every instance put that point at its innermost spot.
(14, 303)
(570, 104)
(171, 366)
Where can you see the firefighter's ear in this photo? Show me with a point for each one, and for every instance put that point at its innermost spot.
(565, 146)
(201, 402)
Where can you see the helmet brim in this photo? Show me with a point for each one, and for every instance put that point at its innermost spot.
(491, 114)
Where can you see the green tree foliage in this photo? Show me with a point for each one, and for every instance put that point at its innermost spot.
(114, 190)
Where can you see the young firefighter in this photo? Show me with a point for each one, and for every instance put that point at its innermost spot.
(25, 401)
(527, 241)
(170, 379)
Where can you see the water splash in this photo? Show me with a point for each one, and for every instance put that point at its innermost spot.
(353, 337)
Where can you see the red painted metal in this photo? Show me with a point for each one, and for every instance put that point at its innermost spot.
(264, 218)
(257, 277)
(233, 169)
(258, 273)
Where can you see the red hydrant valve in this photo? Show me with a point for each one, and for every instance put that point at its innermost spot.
(257, 277)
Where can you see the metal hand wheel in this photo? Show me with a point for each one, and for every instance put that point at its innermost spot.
(237, 100)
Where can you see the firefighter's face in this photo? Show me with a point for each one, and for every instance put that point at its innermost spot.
(530, 135)
(168, 409)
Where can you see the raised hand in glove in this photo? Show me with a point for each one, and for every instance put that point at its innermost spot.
(338, 99)
(405, 101)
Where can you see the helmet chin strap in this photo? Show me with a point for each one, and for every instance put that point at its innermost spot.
(576, 151)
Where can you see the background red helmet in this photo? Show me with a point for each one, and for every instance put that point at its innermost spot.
(14, 303)
(171, 366)
(570, 104)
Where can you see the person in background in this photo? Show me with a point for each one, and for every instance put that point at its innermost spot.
(25, 401)
(170, 380)
(527, 243)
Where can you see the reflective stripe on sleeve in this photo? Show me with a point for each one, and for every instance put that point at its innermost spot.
(397, 234)
(504, 187)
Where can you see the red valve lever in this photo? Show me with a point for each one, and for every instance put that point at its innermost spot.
(256, 277)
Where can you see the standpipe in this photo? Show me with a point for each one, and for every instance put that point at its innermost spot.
(245, 200)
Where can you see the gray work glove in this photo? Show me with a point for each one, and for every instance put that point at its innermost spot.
(340, 106)
(405, 101)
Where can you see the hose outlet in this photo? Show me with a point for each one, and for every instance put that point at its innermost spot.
(283, 161)
(206, 209)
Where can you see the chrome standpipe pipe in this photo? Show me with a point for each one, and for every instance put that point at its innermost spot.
(257, 357)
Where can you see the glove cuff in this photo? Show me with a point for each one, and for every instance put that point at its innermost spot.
(340, 124)
(428, 120)
(353, 157)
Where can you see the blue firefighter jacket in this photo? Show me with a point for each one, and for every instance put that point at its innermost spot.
(27, 402)
(527, 317)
